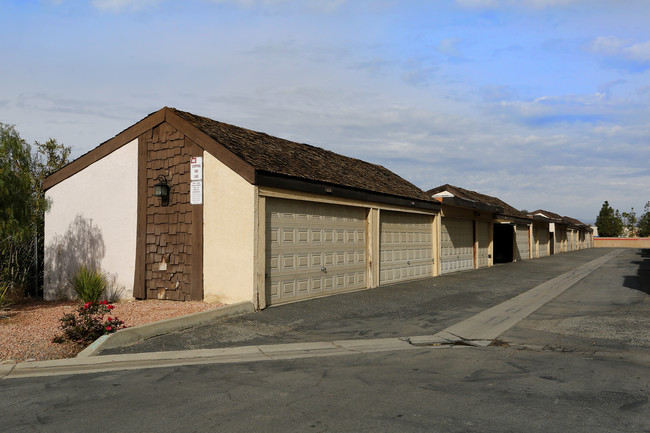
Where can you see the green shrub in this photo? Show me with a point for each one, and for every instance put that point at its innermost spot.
(89, 284)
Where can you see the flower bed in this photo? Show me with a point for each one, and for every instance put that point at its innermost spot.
(27, 330)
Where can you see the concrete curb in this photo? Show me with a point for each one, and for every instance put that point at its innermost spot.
(137, 361)
(128, 336)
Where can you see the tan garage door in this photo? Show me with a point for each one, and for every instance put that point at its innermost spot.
(313, 249)
(569, 240)
(542, 238)
(523, 246)
(483, 244)
(559, 238)
(406, 247)
(456, 245)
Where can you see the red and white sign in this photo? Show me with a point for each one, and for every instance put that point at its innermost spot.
(196, 168)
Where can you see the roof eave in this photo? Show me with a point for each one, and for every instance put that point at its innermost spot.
(542, 218)
(104, 149)
(512, 219)
(333, 190)
(469, 204)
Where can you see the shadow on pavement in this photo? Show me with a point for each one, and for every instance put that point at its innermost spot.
(640, 281)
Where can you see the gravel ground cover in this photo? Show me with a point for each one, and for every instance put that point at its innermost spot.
(27, 329)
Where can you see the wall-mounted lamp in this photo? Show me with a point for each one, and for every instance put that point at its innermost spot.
(161, 189)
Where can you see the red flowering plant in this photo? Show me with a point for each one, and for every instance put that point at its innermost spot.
(90, 322)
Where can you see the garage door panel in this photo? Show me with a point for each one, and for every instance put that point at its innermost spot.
(457, 245)
(558, 241)
(523, 245)
(483, 243)
(543, 234)
(313, 249)
(575, 240)
(406, 247)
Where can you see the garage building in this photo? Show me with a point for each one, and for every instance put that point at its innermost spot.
(582, 233)
(541, 240)
(478, 230)
(566, 233)
(465, 229)
(183, 207)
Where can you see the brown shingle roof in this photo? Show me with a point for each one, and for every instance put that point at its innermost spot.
(282, 157)
(574, 221)
(549, 214)
(507, 210)
(562, 219)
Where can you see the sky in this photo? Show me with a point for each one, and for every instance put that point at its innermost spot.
(542, 103)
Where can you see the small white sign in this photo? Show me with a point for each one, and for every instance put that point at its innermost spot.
(196, 168)
(196, 192)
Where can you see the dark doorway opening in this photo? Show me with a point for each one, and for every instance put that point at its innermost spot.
(552, 242)
(503, 243)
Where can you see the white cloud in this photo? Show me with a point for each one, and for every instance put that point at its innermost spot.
(499, 4)
(610, 131)
(607, 45)
(547, 110)
(478, 3)
(120, 5)
(450, 47)
(639, 52)
(611, 46)
(324, 6)
(497, 93)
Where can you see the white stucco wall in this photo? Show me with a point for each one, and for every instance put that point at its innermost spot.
(92, 221)
(228, 233)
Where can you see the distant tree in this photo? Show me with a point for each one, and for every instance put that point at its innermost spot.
(22, 201)
(49, 157)
(644, 221)
(23, 206)
(609, 223)
(17, 197)
(629, 223)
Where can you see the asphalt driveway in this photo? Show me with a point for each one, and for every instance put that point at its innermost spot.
(406, 309)
(608, 310)
(578, 363)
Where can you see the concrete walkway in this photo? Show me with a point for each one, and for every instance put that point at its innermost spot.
(479, 330)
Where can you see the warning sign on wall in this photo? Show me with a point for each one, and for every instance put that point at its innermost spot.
(196, 192)
(196, 168)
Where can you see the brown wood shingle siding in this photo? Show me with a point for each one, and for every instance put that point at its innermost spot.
(171, 233)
